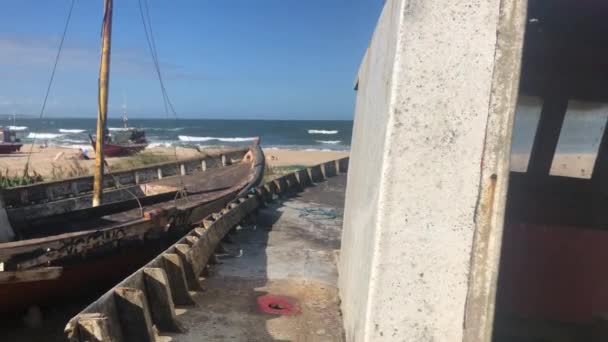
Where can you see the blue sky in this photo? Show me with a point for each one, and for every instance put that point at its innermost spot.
(265, 59)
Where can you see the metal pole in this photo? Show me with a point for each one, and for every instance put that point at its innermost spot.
(104, 80)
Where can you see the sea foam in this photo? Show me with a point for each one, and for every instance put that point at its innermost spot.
(43, 135)
(17, 128)
(71, 131)
(196, 139)
(333, 142)
(321, 131)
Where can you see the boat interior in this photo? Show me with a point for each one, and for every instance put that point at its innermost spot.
(551, 284)
(145, 189)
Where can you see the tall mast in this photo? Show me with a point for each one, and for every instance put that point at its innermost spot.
(104, 80)
(125, 118)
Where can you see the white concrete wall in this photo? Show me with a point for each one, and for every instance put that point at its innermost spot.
(371, 117)
(415, 171)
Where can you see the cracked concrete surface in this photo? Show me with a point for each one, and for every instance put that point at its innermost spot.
(290, 252)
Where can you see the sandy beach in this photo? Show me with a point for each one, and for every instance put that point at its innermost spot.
(56, 162)
(283, 157)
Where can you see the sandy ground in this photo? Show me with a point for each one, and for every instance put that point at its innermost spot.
(278, 158)
(52, 161)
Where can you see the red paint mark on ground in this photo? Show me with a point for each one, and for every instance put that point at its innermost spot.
(277, 305)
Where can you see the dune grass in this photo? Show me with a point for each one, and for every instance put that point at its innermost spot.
(272, 172)
(139, 160)
(8, 181)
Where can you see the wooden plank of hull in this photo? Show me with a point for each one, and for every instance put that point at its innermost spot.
(39, 274)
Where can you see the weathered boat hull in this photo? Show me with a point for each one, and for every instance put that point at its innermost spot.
(77, 280)
(95, 259)
(6, 148)
(115, 150)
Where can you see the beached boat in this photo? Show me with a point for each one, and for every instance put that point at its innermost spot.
(63, 246)
(9, 142)
(124, 142)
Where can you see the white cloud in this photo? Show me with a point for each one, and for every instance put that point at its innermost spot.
(35, 52)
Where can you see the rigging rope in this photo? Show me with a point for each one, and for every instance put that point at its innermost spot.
(147, 23)
(167, 104)
(48, 88)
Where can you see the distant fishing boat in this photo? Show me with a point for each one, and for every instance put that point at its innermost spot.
(9, 142)
(124, 142)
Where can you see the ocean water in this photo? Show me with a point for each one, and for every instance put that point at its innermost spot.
(294, 134)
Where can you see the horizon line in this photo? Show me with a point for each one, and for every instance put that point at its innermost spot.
(34, 117)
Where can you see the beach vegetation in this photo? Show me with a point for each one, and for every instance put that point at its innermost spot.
(10, 181)
(273, 172)
(140, 159)
(68, 170)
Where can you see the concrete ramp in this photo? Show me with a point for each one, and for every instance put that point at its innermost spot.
(276, 278)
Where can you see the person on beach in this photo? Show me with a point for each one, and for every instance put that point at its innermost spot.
(84, 153)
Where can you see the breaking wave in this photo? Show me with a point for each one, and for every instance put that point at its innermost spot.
(43, 135)
(118, 129)
(333, 142)
(17, 128)
(74, 141)
(321, 131)
(72, 131)
(196, 139)
(160, 144)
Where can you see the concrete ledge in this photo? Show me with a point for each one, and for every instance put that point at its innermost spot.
(148, 297)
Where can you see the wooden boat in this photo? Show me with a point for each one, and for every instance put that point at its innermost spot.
(124, 142)
(9, 142)
(63, 246)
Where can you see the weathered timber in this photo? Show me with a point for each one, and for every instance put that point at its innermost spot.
(303, 178)
(160, 299)
(177, 279)
(343, 165)
(281, 183)
(329, 168)
(316, 174)
(185, 254)
(134, 314)
(44, 273)
(94, 328)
